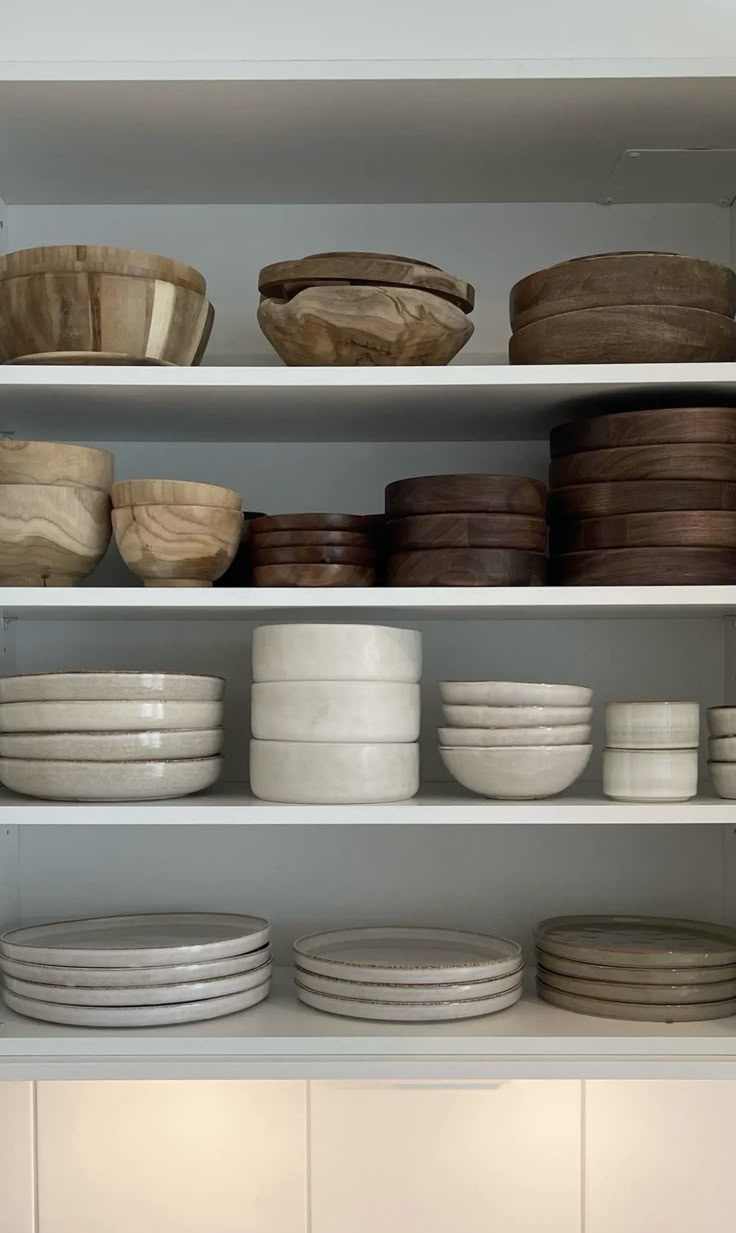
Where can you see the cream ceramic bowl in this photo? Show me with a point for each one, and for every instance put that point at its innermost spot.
(514, 693)
(107, 716)
(111, 686)
(336, 653)
(335, 711)
(722, 720)
(332, 773)
(722, 748)
(723, 775)
(527, 772)
(109, 781)
(112, 746)
(462, 716)
(565, 734)
(652, 725)
(650, 774)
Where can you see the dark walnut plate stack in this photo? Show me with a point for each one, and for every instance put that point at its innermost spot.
(624, 308)
(644, 498)
(465, 530)
(313, 550)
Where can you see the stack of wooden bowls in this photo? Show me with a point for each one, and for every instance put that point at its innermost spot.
(624, 308)
(313, 550)
(92, 304)
(644, 497)
(465, 530)
(54, 512)
(363, 308)
(176, 533)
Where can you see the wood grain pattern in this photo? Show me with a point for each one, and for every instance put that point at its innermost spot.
(177, 545)
(632, 334)
(666, 425)
(238, 573)
(690, 461)
(464, 494)
(373, 326)
(639, 497)
(51, 462)
(310, 522)
(313, 576)
(285, 279)
(314, 555)
(609, 279)
(465, 567)
(51, 535)
(467, 531)
(645, 567)
(173, 492)
(99, 259)
(310, 539)
(680, 528)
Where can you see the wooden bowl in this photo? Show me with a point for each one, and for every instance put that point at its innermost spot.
(311, 539)
(51, 535)
(631, 334)
(663, 426)
(285, 279)
(238, 573)
(314, 555)
(173, 492)
(467, 531)
(177, 545)
(472, 493)
(714, 528)
(611, 279)
(645, 567)
(375, 326)
(357, 523)
(58, 463)
(691, 461)
(143, 318)
(99, 259)
(313, 576)
(639, 497)
(466, 567)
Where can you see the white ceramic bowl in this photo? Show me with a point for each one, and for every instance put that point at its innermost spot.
(461, 716)
(723, 775)
(107, 716)
(722, 748)
(111, 686)
(514, 693)
(331, 773)
(113, 746)
(565, 734)
(336, 653)
(335, 711)
(722, 720)
(527, 772)
(650, 774)
(108, 781)
(652, 725)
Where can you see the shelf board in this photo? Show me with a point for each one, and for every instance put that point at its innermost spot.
(455, 403)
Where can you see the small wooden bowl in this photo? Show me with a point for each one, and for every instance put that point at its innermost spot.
(52, 462)
(99, 259)
(285, 279)
(677, 529)
(51, 536)
(463, 494)
(690, 461)
(238, 574)
(665, 426)
(313, 576)
(311, 522)
(519, 531)
(173, 492)
(611, 279)
(631, 334)
(311, 539)
(646, 567)
(639, 497)
(314, 556)
(177, 545)
(466, 567)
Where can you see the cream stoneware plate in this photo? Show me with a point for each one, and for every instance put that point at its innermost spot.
(109, 781)
(107, 716)
(635, 976)
(136, 1016)
(416, 1012)
(514, 693)
(146, 940)
(634, 1011)
(112, 746)
(638, 941)
(609, 991)
(111, 686)
(125, 978)
(368, 991)
(158, 995)
(393, 954)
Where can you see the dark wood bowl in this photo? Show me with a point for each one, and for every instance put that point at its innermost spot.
(664, 426)
(520, 531)
(464, 494)
(313, 576)
(466, 567)
(690, 461)
(310, 539)
(314, 556)
(630, 334)
(677, 529)
(285, 279)
(645, 567)
(311, 522)
(639, 497)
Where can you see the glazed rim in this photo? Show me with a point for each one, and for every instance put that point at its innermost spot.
(197, 676)
(536, 749)
(253, 924)
(656, 702)
(514, 948)
(615, 967)
(335, 997)
(545, 931)
(338, 625)
(133, 765)
(382, 984)
(542, 684)
(93, 732)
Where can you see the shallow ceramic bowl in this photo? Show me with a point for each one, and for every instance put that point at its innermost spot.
(177, 545)
(722, 748)
(52, 462)
(113, 746)
(652, 725)
(331, 773)
(111, 686)
(723, 775)
(722, 720)
(51, 535)
(462, 716)
(109, 781)
(527, 772)
(514, 693)
(335, 711)
(336, 653)
(650, 774)
(107, 716)
(565, 734)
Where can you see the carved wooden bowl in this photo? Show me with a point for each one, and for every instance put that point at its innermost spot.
(177, 545)
(629, 334)
(99, 259)
(50, 535)
(52, 462)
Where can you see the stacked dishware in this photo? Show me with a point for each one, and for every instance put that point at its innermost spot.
(644, 497)
(722, 750)
(335, 713)
(647, 968)
(466, 530)
(363, 308)
(651, 751)
(394, 973)
(137, 971)
(624, 308)
(515, 740)
(313, 550)
(110, 736)
(54, 512)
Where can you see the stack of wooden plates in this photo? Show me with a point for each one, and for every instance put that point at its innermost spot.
(650, 968)
(466, 530)
(137, 971)
(644, 497)
(397, 973)
(313, 550)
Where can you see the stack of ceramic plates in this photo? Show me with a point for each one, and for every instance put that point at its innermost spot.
(396, 973)
(650, 968)
(137, 971)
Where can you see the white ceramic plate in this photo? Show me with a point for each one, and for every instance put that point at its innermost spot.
(465, 716)
(610, 991)
(124, 978)
(109, 781)
(149, 940)
(393, 954)
(111, 686)
(113, 746)
(107, 716)
(633, 1011)
(157, 995)
(371, 992)
(417, 1012)
(478, 738)
(638, 941)
(136, 1016)
(635, 976)
(514, 693)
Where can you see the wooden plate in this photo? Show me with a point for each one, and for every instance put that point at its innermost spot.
(313, 576)
(645, 567)
(284, 279)
(646, 462)
(639, 497)
(468, 531)
(315, 555)
(466, 567)
(670, 425)
(309, 522)
(676, 529)
(307, 539)
(631, 334)
(463, 494)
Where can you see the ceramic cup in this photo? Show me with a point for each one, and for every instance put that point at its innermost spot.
(723, 775)
(650, 774)
(722, 720)
(652, 725)
(382, 711)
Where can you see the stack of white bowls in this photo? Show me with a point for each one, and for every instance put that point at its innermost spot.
(651, 751)
(110, 736)
(515, 740)
(335, 713)
(137, 971)
(722, 750)
(409, 974)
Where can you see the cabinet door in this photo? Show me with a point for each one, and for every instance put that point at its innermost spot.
(16, 1158)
